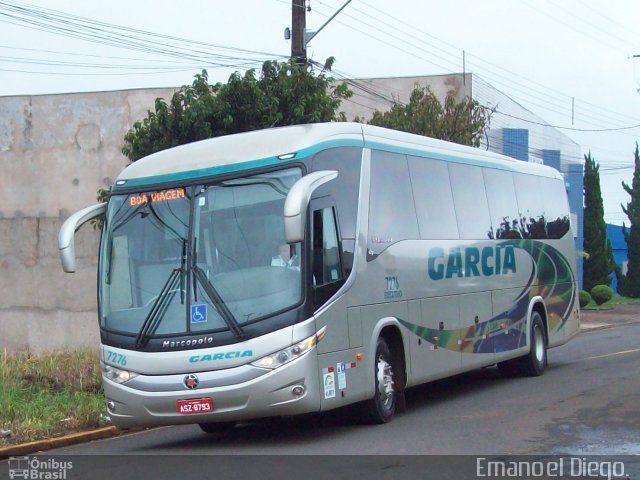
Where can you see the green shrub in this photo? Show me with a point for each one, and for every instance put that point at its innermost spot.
(601, 294)
(585, 298)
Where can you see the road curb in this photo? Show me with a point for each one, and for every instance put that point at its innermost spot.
(595, 326)
(58, 442)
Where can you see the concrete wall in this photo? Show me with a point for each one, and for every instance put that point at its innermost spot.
(55, 152)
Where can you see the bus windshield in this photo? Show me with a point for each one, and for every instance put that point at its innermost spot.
(198, 259)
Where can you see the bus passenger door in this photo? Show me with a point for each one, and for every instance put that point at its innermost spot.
(327, 276)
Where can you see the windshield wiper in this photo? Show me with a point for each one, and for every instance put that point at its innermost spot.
(282, 189)
(159, 307)
(215, 297)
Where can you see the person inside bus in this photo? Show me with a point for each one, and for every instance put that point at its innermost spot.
(286, 257)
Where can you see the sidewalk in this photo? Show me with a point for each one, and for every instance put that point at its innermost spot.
(617, 316)
(58, 442)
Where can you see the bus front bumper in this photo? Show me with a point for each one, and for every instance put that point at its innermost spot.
(240, 393)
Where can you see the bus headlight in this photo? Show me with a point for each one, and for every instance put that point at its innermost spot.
(116, 374)
(289, 354)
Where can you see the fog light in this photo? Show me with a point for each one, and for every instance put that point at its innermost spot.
(298, 390)
(111, 406)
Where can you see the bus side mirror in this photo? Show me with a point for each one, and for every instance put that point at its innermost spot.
(66, 236)
(297, 201)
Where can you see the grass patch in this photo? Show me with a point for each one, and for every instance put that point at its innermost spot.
(42, 396)
(616, 300)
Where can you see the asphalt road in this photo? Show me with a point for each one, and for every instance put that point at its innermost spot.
(587, 403)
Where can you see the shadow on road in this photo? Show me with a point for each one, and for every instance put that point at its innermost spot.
(307, 429)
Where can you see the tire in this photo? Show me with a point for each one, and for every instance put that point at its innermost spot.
(381, 408)
(534, 363)
(219, 427)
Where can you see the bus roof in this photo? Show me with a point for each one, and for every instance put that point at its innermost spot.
(272, 146)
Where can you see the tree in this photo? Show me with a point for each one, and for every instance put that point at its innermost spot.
(283, 94)
(629, 284)
(598, 263)
(463, 122)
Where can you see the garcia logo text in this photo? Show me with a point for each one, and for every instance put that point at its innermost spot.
(471, 262)
(208, 357)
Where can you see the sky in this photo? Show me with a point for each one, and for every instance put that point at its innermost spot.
(571, 62)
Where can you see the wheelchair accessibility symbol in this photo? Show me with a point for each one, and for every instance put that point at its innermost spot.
(199, 313)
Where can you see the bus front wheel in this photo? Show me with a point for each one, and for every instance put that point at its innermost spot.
(381, 408)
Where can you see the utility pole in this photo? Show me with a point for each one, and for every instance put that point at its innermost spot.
(298, 28)
(299, 35)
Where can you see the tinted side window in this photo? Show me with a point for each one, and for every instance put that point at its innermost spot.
(392, 214)
(433, 198)
(556, 207)
(326, 254)
(530, 206)
(503, 207)
(470, 201)
(345, 188)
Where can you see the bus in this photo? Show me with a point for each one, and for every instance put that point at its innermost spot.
(304, 268)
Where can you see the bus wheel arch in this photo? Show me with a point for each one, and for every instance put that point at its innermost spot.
(393, 337)
(539, 307)
(389, 375)
(534, 363)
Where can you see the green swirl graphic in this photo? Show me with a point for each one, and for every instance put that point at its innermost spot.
(551, 278)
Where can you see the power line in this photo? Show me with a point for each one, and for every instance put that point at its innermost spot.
(617, 129)
(606, 17)
(88, 74)
(60, 21)
(590, 26)
(89, 30)
(87, 55)
(545, 99)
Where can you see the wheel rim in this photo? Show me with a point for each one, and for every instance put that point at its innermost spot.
(538, 339)
(385, 383)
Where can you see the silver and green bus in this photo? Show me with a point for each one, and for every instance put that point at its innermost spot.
(304, 268)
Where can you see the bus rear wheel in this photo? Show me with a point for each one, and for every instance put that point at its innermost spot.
(534, 363)
(217, 427)
(381, 408)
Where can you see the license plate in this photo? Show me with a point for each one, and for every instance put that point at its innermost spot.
(196, 405)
